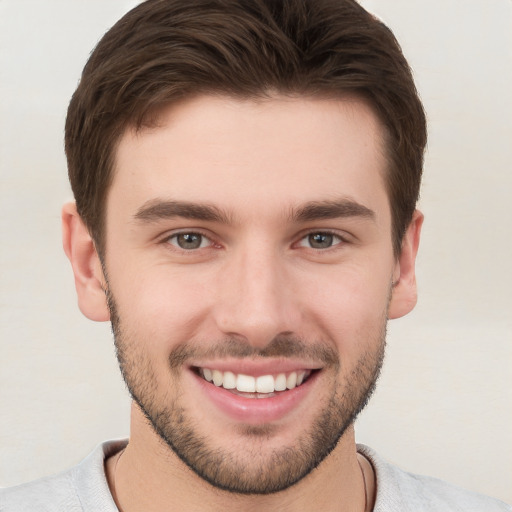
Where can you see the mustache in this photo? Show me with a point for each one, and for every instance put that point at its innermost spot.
(282, 346)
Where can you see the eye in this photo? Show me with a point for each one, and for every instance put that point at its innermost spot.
(189, 241)
(320, 240)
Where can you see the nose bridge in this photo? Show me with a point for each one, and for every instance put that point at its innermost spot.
(255, 303)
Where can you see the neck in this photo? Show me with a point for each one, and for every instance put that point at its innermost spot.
(149, 476)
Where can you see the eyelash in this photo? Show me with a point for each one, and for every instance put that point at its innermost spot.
(337, 240)
(203, 236)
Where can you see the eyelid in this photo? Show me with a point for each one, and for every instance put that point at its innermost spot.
(342, 238)
(183, 231)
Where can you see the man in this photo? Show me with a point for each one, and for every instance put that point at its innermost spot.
(246, 175)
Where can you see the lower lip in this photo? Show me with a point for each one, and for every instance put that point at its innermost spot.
(257, 410)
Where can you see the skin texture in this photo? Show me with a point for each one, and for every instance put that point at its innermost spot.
(254, 181)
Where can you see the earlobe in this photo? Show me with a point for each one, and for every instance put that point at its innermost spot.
(81, 252)
(404, 292)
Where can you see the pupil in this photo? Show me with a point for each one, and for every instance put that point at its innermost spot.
(189, 240)
(320, 240)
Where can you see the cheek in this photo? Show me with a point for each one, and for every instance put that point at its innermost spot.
(351, 306)
(161, 307)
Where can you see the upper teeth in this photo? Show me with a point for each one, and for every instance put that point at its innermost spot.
(250, 384)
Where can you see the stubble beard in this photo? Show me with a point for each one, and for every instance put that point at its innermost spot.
(249, 472)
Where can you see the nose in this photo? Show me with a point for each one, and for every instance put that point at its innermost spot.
(256, 297)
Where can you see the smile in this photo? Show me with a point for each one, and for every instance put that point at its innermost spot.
(256, 393)
(255, 387)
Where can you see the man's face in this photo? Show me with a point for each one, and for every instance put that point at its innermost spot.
(249, 244)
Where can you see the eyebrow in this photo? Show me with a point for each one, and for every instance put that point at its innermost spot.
(158, 209)
(322, 210)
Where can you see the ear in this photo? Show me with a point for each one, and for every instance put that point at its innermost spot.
(404, 293)
(89, 280)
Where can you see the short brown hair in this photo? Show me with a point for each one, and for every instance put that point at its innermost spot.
(165, 50)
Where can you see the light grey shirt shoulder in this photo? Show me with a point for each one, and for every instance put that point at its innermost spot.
(400, 491)
(83, 488)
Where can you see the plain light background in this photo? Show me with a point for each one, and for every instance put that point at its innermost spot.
(444, 402)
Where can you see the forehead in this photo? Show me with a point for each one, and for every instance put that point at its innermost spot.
(245, 155)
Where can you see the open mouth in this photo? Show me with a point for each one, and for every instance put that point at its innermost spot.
(263, 386)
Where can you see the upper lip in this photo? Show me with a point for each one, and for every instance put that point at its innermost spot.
(257, 367)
